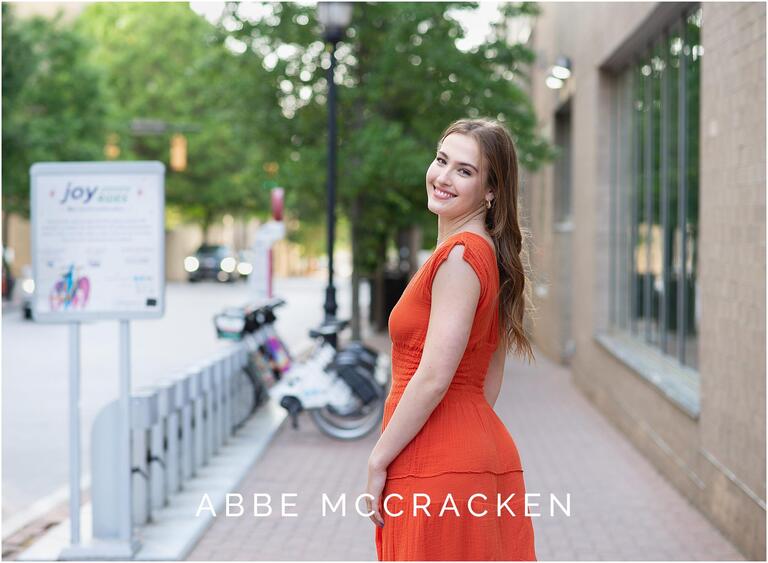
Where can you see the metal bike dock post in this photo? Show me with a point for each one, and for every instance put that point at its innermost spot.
(218, 414)
(208, 424)
(144, 412)
(158, 479)
(170, 406)
(241, 358)
(225, 401)
(187, 450)
(196, 395)
(229, 389)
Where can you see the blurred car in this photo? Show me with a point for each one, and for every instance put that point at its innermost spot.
(8, 280)
(27, 291)
(212, 261)
(245, 263)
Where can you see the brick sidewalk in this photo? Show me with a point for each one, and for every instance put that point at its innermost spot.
(621, 508)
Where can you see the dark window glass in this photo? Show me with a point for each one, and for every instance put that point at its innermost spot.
(655, 199)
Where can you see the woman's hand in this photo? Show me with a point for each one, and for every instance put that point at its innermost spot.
(377, 477)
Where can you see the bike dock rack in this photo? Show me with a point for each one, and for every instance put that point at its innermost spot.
(185, 444)
(193, 439)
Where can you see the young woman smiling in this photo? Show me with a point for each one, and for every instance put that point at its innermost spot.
(451, 330)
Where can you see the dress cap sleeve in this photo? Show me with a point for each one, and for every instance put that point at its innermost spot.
(473, 255)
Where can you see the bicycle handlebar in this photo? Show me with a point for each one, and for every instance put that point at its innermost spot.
(254, 315)
(329, 328)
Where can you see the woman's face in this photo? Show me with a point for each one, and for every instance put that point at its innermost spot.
(454, 185)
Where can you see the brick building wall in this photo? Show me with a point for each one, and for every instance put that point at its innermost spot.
(715, 456)
(732, 425)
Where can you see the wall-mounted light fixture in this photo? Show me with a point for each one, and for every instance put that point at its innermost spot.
(562, 68)
(553, 82)
(559, 73)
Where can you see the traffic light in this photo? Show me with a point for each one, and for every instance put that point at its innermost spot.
(271, 168)
(178, 152)
(112, 149)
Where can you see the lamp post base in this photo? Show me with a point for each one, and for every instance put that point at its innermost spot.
(330, 309)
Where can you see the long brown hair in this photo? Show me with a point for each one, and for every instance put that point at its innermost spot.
(499, 158)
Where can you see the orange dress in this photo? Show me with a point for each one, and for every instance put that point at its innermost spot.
(455, 477)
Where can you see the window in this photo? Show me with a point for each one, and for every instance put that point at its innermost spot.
(655, 195)
(563, 182)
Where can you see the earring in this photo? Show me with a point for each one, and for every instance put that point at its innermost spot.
(488, 203)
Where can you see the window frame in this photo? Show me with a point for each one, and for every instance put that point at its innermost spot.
(632, 328)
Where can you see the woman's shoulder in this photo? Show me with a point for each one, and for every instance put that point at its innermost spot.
(478, 251)
(481, 244)
(486, 237)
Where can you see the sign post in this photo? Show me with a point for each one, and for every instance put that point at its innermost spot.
(260, 280)
(98, 253)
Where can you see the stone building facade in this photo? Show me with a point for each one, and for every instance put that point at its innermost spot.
(648, 236)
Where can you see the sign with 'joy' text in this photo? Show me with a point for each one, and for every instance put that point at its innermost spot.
(98, 240)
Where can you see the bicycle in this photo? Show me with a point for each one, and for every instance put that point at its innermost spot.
(343, 390)
(267, 358)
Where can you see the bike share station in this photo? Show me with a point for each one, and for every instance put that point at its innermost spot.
(343, 390)
(164, 457)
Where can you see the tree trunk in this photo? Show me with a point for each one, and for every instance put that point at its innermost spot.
(414, 246)
(207, 220)
(5, 228)
(379, 299)
(356, 319)
(356, 214)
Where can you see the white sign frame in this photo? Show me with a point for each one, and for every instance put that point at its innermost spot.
(113, 168)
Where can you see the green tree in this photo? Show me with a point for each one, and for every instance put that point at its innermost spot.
(53, 102)
(165, 62)
(401, 79)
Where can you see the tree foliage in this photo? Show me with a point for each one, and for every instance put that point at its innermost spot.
(254, 88)
(401, 79)
(165, 62)
(53, 102)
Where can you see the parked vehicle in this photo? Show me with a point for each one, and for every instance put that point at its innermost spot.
(212, 261)
(8, 280)
(245, 260)
(27, 291)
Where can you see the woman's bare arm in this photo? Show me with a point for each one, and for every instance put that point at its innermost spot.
(495, 375)
(455, 294)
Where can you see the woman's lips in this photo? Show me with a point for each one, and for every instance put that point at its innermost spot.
(440, 194)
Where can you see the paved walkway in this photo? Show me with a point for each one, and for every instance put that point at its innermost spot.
(621, 507)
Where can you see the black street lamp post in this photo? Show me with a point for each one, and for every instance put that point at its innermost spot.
(334, 17)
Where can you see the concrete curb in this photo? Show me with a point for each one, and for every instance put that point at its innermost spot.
(42, 509)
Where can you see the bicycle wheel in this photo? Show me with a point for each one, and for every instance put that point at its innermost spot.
(352, 426)
(259, 389)
(349, 427)
(244, 403)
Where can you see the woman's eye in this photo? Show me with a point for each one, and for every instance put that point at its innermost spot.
(441, 161)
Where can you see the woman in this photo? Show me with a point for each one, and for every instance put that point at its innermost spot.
(445, 463)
